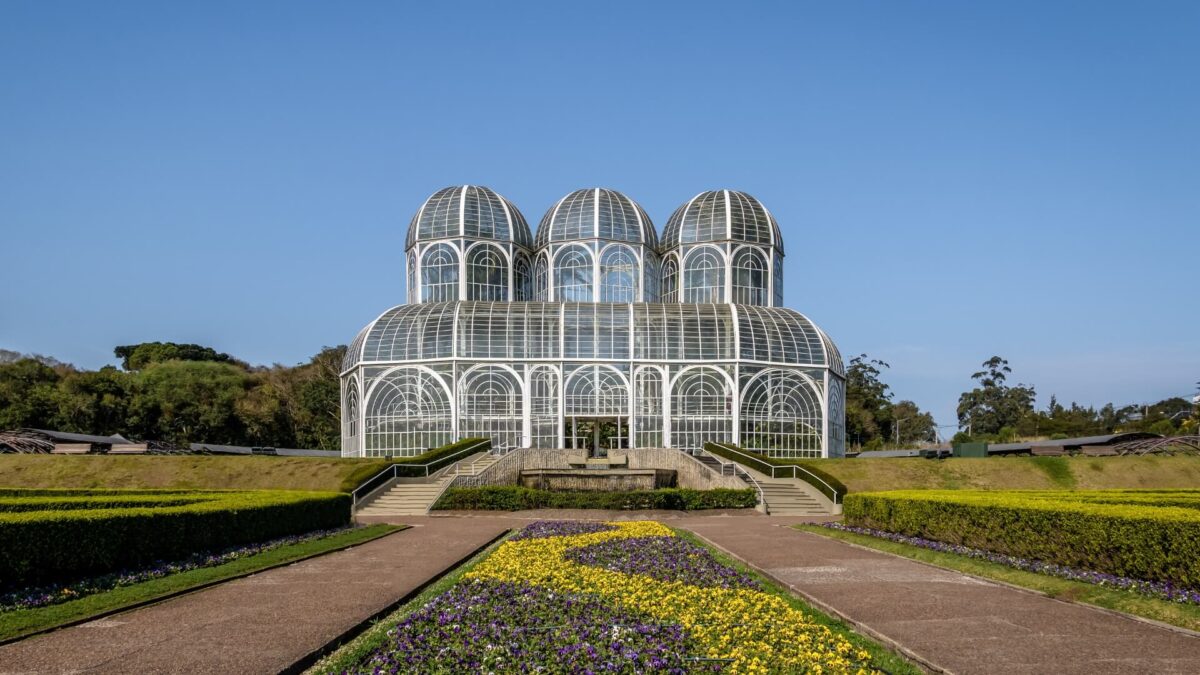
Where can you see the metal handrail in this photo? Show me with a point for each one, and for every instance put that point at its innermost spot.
(793, 467)
(374, 483)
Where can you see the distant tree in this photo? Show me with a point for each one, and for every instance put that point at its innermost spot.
(189, 401)
(992, 404)
(868, 400)
(910, 424)
(136, 357)
(27, 394)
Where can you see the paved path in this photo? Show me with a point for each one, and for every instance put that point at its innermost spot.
(261, 623)
(951, 621)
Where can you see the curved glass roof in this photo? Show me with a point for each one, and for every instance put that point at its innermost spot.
(594, 331)
(722, 215)
(596, 213)
(468, 211)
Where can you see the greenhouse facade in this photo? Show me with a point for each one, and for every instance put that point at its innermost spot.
(594, 335)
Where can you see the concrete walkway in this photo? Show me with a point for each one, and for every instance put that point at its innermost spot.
(947, 620)
(262, 623)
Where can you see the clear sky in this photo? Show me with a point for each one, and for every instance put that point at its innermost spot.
(954, 180)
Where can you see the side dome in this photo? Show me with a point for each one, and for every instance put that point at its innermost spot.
(597, 213)
(471, 211)
(722, 215)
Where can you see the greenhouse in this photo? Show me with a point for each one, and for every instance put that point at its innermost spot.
(595, 334)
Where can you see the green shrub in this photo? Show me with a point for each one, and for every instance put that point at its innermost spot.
(56, 539)
(1141, 534)
(514, 498)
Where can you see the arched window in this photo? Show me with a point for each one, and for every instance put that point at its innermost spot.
(350, 420)
(701, 408)
(648, 393)
(412, 279)
(543, 408)
(596, 391)
(540, 270)
(750, 277)
(439, 274)
(521, 278)
(618, 275)
(408, 412)
(781, 415)
(489, 400)
(650, 277)
(704, 276)
(573, 275)
(777, 276)
(487, 274)
(670, 277)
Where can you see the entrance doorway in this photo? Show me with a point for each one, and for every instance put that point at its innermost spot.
(597, 435)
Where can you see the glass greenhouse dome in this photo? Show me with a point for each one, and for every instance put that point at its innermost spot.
(580, 338)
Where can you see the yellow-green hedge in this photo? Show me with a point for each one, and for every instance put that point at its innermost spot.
(1142, 534)
(67, 534)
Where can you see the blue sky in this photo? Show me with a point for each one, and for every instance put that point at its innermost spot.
(954, 180)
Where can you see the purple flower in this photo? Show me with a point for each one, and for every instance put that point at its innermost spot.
(664, 559)
(540, 529)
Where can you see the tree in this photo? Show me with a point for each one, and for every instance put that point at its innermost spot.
(910, 424)
(868, 400)
(993, 405)
(27, 394)
(136, 357)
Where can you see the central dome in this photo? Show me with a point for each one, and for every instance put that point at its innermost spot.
(596, 213)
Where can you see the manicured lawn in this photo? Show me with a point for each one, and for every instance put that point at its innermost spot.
(1011, 473)
(25, 621)
(573, 596)
(192, 472)
(1177, 614)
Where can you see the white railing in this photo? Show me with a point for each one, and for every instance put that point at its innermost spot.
(781, 471)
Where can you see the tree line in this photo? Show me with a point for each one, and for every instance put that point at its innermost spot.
(178, 394)
(996, 411)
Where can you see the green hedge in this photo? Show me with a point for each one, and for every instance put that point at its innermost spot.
(1143, 538)
(60, 541)
(835, 489)
(410, 466)
(513, 498)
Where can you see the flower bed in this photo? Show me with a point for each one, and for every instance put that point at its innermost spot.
(53, 594)
(617, 597)
(1153, 589)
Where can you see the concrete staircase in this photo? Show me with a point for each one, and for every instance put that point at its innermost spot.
(785, 498)
(780, 496)
(413, 497)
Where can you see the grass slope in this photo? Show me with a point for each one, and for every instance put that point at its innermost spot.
(1176, 614)
(25, 621)
(187, 472)
(1012, 473)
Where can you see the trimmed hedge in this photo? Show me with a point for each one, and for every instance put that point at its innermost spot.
(764, 464)
(514, 498)
(1145, 535)
(59, 540)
